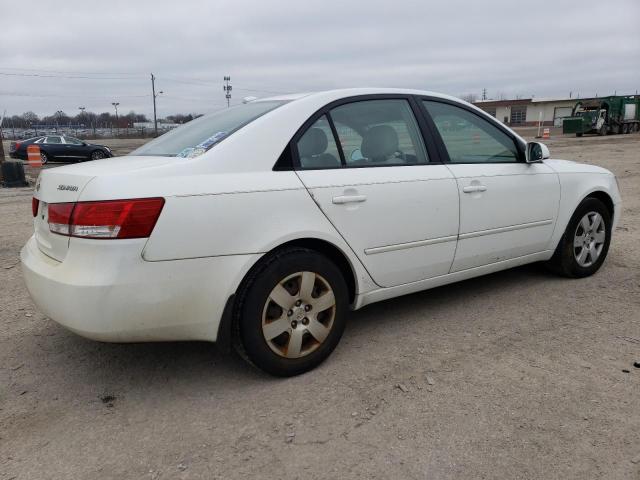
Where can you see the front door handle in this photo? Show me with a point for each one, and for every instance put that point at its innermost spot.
(342, 199)
(474, 188)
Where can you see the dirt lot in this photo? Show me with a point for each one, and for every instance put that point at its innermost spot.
(516, 375)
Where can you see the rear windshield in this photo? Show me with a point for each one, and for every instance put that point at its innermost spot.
(199, 135)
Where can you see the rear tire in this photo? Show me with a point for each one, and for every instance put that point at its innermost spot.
(44, 157)
(603, 131)
(291, 312)
(625, 128)
(585, 242)
(579, 134)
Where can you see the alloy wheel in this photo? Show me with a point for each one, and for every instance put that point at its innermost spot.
(298, 314)
(589, 238)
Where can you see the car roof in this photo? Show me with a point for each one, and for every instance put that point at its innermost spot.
(353, 92)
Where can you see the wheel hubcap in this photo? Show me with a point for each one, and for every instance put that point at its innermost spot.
(298, 315)
(589, 238)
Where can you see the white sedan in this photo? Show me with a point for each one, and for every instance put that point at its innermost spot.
(266, 222)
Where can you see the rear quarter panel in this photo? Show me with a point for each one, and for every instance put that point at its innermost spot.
(243, 222)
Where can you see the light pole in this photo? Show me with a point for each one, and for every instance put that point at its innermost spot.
(227, 89)
(82, 109)
(59, 114)
(115, 105)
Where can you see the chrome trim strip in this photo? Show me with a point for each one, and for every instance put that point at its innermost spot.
(402, 246)
(510, 228)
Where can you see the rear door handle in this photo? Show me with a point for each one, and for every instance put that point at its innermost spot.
(348, 199)
(474, 188)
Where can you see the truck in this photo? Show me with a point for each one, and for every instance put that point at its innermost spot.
(615, 114)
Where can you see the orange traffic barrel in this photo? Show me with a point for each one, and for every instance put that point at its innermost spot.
(33, 156)
(546, 133)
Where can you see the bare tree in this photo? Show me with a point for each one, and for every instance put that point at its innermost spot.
(469, 97)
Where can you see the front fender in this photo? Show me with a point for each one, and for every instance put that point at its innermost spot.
(574, 188)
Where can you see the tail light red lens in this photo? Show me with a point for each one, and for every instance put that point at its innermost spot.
(60, 217)
(106, 219)
(35, 203)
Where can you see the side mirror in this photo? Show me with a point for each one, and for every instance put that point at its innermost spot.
(536, 152)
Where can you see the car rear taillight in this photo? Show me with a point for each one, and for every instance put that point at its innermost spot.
(106, 219)
(60, 217)
(35, 203)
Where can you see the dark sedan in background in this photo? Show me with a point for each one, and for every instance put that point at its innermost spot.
(60, 148)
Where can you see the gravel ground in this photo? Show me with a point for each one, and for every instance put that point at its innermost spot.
(519, 374)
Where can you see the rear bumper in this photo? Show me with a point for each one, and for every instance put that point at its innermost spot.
(113, 295)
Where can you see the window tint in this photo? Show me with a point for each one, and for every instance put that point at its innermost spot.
(53, 140)
(379, 132)
(470, 138)
(72, 141)
(317, 147)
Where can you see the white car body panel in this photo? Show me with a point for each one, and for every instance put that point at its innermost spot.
(418, 243)
(513, 217)
(225, 209)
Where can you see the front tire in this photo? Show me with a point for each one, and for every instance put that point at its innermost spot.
(97, 155)
(291, 312)
(585, 243)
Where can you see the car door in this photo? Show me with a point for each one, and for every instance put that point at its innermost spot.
(366, 166)
(508, 207)
(54, 147)
(74, 148)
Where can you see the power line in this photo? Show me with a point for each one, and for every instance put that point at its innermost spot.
(23, 94)
(72, 73)
(130, 76)
(9, 74)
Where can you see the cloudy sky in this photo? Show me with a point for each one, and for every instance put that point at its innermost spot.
(62, 55)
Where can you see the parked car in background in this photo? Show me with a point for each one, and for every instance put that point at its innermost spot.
(268, 221)
(60, 148)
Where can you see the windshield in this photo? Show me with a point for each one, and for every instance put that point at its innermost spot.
(199, 135)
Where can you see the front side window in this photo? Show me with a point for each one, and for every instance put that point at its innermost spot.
(470, 138)
(317, 147)
(379, 133)
(199, 135)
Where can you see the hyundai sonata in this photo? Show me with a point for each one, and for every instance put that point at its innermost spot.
(266, 222)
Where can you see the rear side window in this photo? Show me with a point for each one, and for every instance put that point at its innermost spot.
(470, 138)
(317, 147)
(198, 136)
(53, 140)
(379, 133)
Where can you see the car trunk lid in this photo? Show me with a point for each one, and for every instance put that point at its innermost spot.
(54, 186)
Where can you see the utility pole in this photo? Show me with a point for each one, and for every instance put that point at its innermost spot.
(115, 105)
(153, 91)
(484, 94)
(227, 89)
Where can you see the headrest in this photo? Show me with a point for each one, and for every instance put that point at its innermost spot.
(379, 142)
(313, 142)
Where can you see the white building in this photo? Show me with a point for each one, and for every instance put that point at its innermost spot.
(528, 111)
